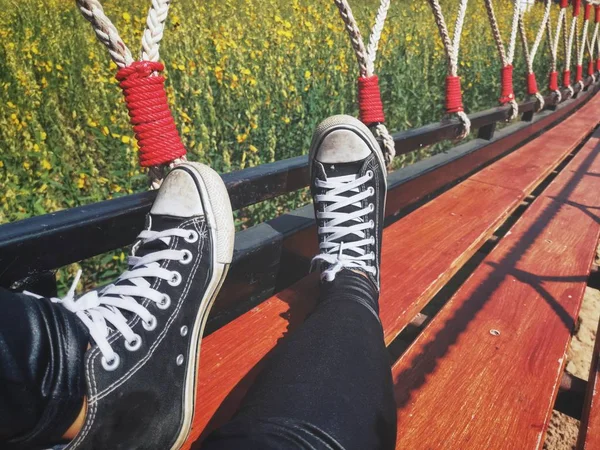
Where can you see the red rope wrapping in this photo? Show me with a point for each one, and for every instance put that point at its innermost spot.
(506, 77)
(149, 113)
(454, 101)
(553, 83)
(597, 17)
(369, 100)
(564, 3)
(588, 11)
(590, 68)
(532, 87)
(576, 7)
(598, 65)
(566, 78)
(579, 73)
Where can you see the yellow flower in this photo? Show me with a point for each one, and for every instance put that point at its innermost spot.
(252, 148)
(286, 120)
(241, 138)
(46, 164)
(1, 164)
(26, 165)
(307, 74)
(125, 139)
(126, 17)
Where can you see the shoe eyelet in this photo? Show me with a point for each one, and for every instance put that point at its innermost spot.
(187, 257)
(371, 224)
(175, 279)
(192, 237)
(134, 344)
(111, 366)
(370, 174)
(164, 303)
(151, 324)
(372, 240)
(371, 190)
(371, 207)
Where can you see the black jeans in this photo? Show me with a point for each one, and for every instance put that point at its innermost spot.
(327, 386)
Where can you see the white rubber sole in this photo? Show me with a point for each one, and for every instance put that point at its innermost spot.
(219, 217)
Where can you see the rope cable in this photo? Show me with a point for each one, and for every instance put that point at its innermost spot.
(370, 104)
(454, 103)
(506, 58)
(532, 88)
(143, 87)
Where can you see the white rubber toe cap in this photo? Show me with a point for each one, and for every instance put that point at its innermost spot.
(178, 196)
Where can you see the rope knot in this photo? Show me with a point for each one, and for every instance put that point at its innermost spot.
(566, 78)
(532, 87)
(587, 12)
(506, 76)
(578, 73)
(454, 101)
(369, 100)
(149, 113)
(576, 7)
(553, 83)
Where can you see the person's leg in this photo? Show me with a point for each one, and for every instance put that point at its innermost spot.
(42, 387)
(144, 330)
(329, 385)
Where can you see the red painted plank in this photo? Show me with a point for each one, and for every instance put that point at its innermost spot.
(499, 345)
(421, 252)
(521, 169)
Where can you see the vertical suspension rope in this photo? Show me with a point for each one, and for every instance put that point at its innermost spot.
(573, 35)
(369, 94)
(507, 58)
(160, 146)
(532, 87)
(454, 102)
(585, 45)
(554, 41)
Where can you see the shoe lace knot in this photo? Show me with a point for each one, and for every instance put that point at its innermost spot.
(344, 242)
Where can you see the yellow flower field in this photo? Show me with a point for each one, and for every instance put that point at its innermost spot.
(247, 81)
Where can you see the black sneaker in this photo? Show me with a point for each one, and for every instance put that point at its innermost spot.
(349, 186)
(146, 328)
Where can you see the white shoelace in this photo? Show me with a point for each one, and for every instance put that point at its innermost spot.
(98, 309)
(333, 250)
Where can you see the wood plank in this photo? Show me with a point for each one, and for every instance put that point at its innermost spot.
(421, 252)
(499, 345)
(589, 431)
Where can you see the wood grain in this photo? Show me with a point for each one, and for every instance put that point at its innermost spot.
(420, 253)
(499, 345)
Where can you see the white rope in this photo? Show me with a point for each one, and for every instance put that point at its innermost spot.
(155, 26)
(582, 47)
(506, 58)
(569, 46)
(109, 36)
(594, 43)
(366, 57)
(105, 31)
(554, 47)
(530, 55)
(452, 47)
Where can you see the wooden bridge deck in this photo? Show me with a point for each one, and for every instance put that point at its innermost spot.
(528, 288)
